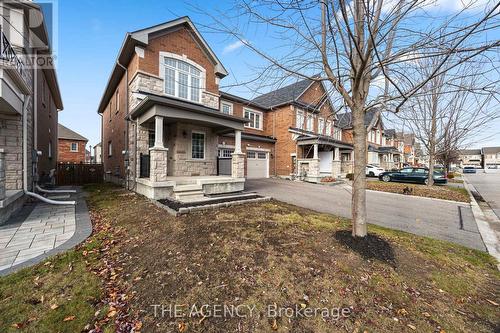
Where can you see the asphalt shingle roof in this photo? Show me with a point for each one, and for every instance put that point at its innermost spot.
(345, 119)
(470, 152)
(491, 150)
(390, 132)
(65, 133)
(283, 95)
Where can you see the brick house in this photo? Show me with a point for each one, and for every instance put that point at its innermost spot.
(491, 157)
(168, 131)
(382, 146)
(29, 104)
(71, 146)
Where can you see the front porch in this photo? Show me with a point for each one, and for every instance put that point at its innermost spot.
(321, 157)
(177, 145)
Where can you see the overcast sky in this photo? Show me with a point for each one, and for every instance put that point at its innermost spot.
(89, 36)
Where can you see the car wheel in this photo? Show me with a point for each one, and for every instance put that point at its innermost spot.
(371, 174)
(386, 178)
(426, 182)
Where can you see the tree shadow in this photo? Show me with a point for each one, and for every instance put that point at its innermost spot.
(369, 247)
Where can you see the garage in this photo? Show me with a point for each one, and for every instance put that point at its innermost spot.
(257, 164)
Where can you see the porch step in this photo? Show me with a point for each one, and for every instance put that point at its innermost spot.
(191, 192)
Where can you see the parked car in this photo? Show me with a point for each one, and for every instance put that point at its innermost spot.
(373, 170)
(412, 175)
(469, 169)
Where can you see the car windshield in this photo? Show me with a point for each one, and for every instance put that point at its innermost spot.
(468, 168)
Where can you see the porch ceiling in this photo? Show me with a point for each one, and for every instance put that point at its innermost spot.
(175, 110)
(324, 141)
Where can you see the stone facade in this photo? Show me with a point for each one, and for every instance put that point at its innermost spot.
(336, 169)
(2, 174)
(11, 140)
(210, 100)
(238, 165)
(158, 165)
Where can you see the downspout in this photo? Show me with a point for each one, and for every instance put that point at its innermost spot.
(127, 154)
(25, 143)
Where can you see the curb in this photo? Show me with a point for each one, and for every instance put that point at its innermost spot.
(488, 235)
(82, 232)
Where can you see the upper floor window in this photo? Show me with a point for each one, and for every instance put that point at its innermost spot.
(299, 120)
(328, 130)
(117, 100)
(321, 125)
(255, 119)
(337, 133)
(226, 107)
(310, 122)
(182, 79)
(74, 147)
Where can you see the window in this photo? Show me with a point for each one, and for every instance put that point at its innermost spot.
(310, 122)
(182, 79)
(74, 147)
(225, 153)
(251, 154)
(151, 138)
(328, 130)
(337, 133)
(255, 119)
(299, 121)
(226, 107)
(50, 150)
(117, 100)
(110, 149)
(261, 156)
(321, 126)
(198, 146)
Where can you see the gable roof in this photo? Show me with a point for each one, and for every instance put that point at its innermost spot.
(141, 38)
(65, 133)
(470, 152)
(491, 150)
(390, 133)
(345, 119)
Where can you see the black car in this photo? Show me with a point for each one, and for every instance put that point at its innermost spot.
(412, 175)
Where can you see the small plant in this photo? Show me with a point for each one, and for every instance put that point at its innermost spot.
(451, 175)
(328, 180)
(350, 176)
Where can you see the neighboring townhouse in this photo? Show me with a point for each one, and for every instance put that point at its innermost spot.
(168, 131)
(98, 153)
(380, 152)
(470, 157)
(29, 103)
(71, 146)
(491, 157)
(410, 147)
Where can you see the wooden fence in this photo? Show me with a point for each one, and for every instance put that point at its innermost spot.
(79, 173)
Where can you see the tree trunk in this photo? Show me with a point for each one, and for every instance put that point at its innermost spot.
(359, 183)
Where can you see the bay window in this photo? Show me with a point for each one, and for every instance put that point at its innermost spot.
(182, 79)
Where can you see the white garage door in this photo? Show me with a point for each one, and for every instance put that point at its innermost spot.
(257, 164)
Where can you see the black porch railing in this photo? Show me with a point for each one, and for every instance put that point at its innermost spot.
(144, 166)
(9, 55)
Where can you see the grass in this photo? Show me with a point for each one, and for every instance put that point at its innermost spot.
(436, 191)
(257, 255)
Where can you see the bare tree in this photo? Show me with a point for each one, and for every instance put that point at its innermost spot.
(451, 109)
(362, 49)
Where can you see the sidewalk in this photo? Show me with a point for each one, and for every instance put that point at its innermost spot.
(40, 230)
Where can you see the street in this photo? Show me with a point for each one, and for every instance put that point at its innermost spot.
(488, 185)
(421, 216)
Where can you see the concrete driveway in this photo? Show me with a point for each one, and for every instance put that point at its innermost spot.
(421, 216)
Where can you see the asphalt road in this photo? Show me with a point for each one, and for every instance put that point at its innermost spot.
(488, 185)
(420, 216)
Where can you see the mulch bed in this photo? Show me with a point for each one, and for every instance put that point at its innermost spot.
(436, 191)
(176, 205)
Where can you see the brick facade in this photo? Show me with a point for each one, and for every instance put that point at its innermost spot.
(65, 154)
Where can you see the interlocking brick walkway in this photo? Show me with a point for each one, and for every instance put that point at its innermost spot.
(47, 227)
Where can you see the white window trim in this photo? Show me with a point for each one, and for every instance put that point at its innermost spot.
(71, 147)
(161, 69)
(302, 114)
(228, 104)
(321, 128)
(204, 146)
(117, 102)
(261, 122)
(328, 123)
(110, 149)
(309, 116)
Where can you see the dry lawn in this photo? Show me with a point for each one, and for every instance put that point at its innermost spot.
(436, 191)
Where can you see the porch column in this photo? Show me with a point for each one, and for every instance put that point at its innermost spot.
(315, 156)
(158, 155)
(313, 174)
(238, 158)
(159, 131)
(336, 164)
(2, 174)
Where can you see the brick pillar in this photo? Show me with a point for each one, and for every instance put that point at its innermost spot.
(238, 165)
(2, 174)
(158, 164)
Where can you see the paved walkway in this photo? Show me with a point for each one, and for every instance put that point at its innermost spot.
(421, 216)
(40, 230)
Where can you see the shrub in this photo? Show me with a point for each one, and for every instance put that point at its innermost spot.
(451, 175)
(350, 176)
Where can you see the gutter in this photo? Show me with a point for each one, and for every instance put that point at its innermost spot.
(127, 154)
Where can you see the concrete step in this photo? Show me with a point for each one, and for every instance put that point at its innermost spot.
(188, 187)
(189, 196)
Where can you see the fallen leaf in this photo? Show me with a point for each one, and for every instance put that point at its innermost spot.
(111, 313)
(182, 327)
(492, 303)
(69, 318)
(274, 326)
(54, 306)
(411, 326)
(18, 325)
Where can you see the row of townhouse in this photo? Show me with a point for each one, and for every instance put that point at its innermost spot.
(167, 129)
(29, 104)
(486, 158)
